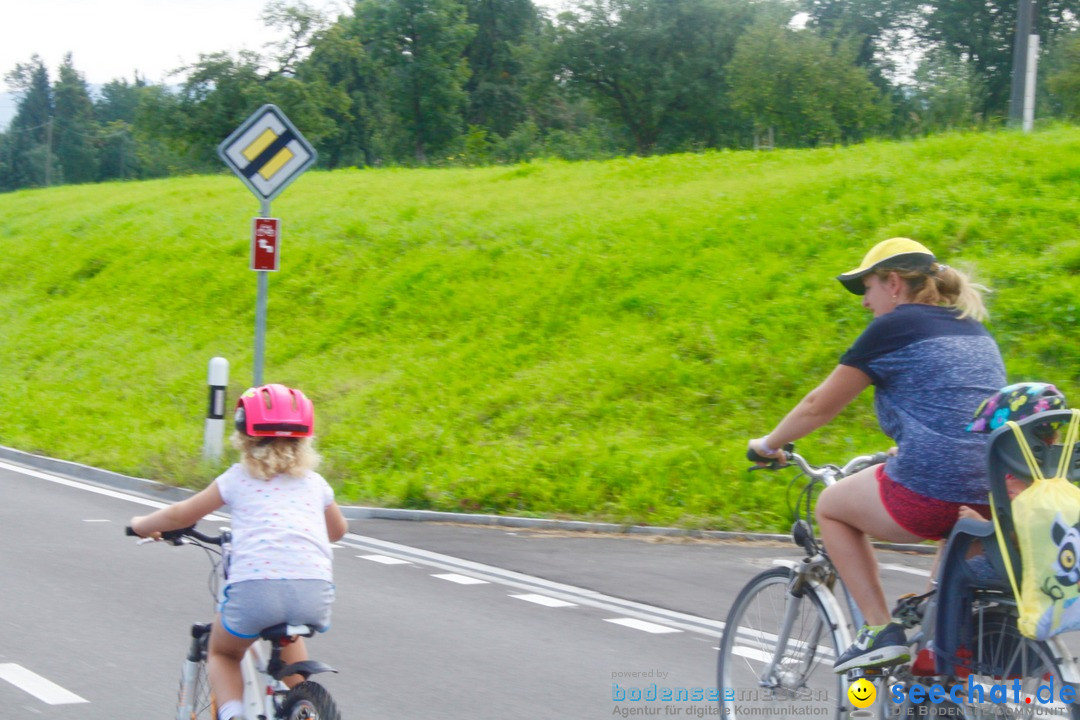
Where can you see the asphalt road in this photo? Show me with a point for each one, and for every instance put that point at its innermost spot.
(431, 619)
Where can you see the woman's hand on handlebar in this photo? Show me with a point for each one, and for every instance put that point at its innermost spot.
(759, 452)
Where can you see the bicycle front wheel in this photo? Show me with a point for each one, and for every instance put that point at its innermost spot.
(195, 701)
(762, 674)
(309, 701)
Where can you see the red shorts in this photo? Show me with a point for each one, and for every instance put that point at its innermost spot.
(924, 516)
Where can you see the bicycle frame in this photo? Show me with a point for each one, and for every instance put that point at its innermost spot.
(261, 691)
(805, 577)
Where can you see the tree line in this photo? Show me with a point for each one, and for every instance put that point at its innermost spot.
(436, 82)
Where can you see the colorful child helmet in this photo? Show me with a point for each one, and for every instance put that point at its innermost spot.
(1015, 402)
(274, 411)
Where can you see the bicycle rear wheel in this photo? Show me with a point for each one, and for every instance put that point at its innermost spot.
(752, 680)
(310, 701)
(1023, 670)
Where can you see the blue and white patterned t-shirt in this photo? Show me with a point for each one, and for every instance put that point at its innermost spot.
(278, 526)
(930, 372)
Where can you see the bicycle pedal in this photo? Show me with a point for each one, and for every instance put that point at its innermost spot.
(911, 608)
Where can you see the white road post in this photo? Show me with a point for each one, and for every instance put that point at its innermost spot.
(1029, 82)
(217, 378)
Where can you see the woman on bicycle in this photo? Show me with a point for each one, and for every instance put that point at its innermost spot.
(930, 361)
(284, 518)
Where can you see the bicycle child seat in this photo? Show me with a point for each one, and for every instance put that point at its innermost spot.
(958, 581)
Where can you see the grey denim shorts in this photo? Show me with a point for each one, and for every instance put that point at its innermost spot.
(251, 606)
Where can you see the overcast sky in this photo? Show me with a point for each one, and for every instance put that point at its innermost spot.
(112, 39)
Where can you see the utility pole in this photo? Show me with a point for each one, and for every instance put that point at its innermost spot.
(48, 152)
(1025, 27)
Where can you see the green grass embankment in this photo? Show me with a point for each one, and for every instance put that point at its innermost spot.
(591, 340)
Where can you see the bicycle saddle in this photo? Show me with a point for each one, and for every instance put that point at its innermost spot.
(284, 630)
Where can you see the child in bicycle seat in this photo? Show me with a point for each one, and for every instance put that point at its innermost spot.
(284, 518)
(1013, 402)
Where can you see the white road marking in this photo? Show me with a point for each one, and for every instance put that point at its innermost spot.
(752, 653)
(461, 579)
(642, 625)
(385, 559)
(91, 488)
(533, 584)
(905, 569)
(544, 600)
(95, 520)
(510, 578)
(44, 690)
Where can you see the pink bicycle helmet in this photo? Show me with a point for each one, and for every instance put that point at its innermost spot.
(274, 411)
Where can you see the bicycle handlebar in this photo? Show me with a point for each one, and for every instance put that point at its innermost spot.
(826, 473)
(176, 537)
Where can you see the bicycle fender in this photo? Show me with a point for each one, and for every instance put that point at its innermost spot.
(306, 668)
(789, 564)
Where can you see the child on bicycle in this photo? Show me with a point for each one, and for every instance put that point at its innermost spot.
(284, 518)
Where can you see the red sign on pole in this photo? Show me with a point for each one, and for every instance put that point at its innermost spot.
(265, 243)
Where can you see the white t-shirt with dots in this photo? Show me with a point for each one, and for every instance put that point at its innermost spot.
(278, 526)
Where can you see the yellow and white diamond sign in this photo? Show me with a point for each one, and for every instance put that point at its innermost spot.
(267, 152)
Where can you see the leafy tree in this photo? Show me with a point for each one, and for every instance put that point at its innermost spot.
(495, 88)
(219, 92)
(873, 24)
(418, 45)
(26, 157)
(1063, 79)
(947, 94)
(656, 67)
(301, 24)
(348, 82)
(799, 84)
(75, 131)
(116, 110)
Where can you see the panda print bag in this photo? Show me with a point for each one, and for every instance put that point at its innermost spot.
(1046, 518)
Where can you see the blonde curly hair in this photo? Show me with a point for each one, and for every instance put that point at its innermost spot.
(266, 457)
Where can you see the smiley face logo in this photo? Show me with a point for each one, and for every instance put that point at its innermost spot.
(862, 693)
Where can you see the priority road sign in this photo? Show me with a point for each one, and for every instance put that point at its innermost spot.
(267, 152)
(265, 243)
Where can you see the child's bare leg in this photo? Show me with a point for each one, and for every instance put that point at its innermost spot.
(291, 653)
(223, 664)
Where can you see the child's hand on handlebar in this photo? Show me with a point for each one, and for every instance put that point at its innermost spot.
(136, 528)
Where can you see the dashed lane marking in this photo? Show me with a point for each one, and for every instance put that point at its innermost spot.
(642, 625)
(461, 579)
(44, 690)
(544, 600)
(385, 559)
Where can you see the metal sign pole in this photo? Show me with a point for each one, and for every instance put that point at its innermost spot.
(267, 153)
(262, 290)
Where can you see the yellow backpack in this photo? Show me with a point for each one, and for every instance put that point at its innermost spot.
(1039, 531)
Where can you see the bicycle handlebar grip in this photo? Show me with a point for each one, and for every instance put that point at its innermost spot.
(753, 456)
(129, 531)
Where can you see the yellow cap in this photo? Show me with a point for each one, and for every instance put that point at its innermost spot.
(900, 253)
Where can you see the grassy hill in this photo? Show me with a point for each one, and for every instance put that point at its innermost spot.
(592, 340)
